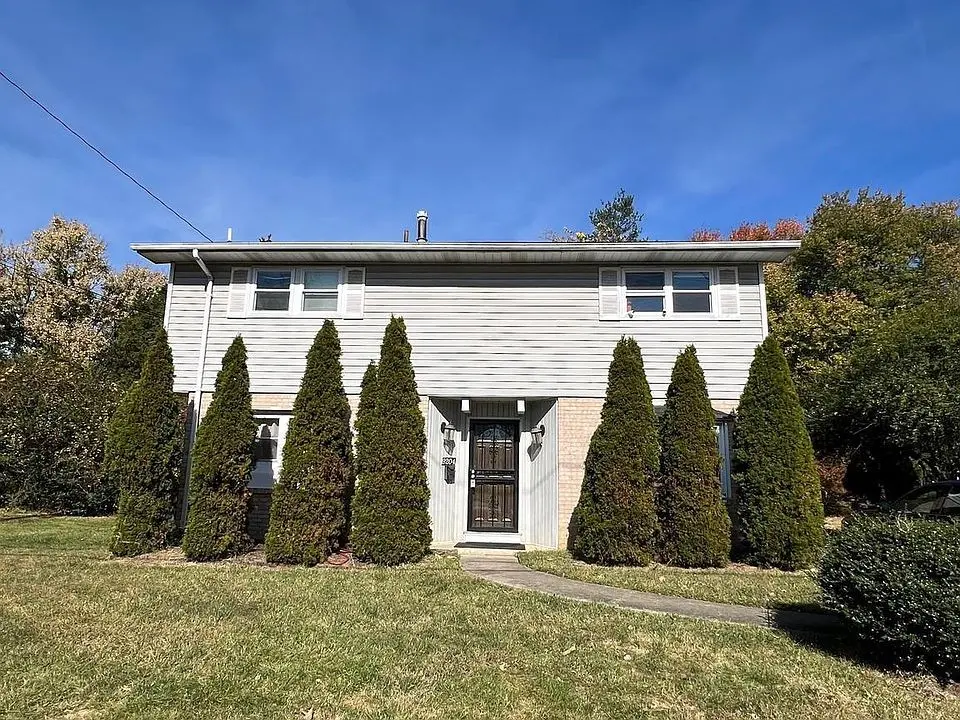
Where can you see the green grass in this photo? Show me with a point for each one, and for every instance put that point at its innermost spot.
(85, 637)
(738, 585)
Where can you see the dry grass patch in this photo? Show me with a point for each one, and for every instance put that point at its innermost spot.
(86, 637)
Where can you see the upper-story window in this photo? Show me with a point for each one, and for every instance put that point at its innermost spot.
(320, 291)
(272, 290)
(647, 293)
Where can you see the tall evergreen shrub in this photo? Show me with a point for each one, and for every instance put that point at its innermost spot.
(143, 455)
(365, 417)
(694, 523)
(614, 522)
(222, 462)
(390, 508)
(308, 509)
(780, 510)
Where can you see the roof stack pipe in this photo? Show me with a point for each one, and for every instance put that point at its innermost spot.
(422, 226)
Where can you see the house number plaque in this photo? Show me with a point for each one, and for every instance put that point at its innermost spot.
(449, 465)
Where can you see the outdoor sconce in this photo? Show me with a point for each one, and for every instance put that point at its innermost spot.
(448, 431)
(536, 435)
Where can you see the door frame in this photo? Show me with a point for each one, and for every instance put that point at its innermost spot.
(515, 423)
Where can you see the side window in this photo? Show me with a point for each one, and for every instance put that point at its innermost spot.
(272, 290)
(267, 445)
(691, 291)
(320, 290)
(645, 291)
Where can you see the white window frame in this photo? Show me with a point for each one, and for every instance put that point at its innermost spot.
(664, 292)
(712, 291)
(252, 299)
(260, 470)
(302, 291)
(297, 292)
(668, 291)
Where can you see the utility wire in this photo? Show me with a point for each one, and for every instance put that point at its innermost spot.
(98, 152)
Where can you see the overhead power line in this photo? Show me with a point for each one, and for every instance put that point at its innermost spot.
(119, 169)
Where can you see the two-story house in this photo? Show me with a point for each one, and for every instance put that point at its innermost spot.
(511, 347)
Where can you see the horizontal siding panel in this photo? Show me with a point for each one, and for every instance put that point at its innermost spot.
(494, 331)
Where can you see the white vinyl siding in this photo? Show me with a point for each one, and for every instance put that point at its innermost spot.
(476, 331)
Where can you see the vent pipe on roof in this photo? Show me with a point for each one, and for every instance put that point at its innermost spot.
(406, 235)
(422, 226)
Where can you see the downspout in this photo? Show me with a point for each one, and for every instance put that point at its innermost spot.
(198, 386)
(764, 323)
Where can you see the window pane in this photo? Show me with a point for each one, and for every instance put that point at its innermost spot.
(645, 303)
(273, 279)
(272, 301)
(923, 502)
(315, 302)
(268, 434)
(321, 279)
(691, 302)
(691, 280)
(644, 280)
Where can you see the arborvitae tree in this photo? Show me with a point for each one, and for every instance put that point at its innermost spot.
(365, 415)
(308, 510)
(615, 522)
(222, 461)
(390, 508)
(143, 455)
(694, 523)
(780, 510)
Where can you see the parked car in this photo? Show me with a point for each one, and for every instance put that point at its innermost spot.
(940, 501)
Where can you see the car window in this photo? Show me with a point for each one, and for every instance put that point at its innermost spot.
(921, 501)
(951, 503)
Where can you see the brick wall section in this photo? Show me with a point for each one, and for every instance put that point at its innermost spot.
(258, 514)
(577, 418)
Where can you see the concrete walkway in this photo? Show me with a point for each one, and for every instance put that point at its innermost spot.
(504, 569)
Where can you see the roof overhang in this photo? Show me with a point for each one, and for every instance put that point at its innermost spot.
(472, 253)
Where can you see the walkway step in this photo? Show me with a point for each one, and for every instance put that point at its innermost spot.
(507, 570)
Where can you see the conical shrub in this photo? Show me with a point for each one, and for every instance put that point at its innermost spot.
(221, 466)
(614, 522)
(779, 507)
(390, 508)
(143, 455)
(308, 509)
(694, 523)
(365, 417)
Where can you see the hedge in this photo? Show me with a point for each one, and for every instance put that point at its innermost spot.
(897, 583)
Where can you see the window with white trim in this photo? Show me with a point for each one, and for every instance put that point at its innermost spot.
(272, 289)
(267, 449)
(652, 292)
(320, 291)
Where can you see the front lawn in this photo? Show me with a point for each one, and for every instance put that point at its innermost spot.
(82, 636)
(739, 585)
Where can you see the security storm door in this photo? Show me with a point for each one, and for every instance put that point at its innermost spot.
(494, 458)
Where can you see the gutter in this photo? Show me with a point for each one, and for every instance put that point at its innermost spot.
(198, 386)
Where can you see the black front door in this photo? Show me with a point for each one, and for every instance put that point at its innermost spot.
(492, 500)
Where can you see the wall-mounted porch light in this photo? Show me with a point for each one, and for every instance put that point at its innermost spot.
(536, 434)
(449, 432)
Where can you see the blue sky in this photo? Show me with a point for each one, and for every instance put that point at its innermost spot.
(339, 120)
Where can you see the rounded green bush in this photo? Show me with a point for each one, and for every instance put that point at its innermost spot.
(694, 522)
(897, 583)
(614, 522)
